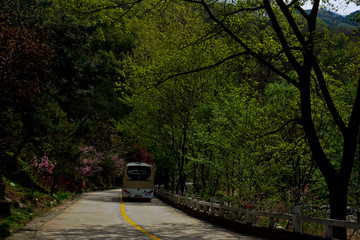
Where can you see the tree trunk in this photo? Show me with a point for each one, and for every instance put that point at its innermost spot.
(181, 183)
(338, 203)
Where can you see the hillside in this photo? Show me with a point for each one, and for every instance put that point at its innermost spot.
(332, 19)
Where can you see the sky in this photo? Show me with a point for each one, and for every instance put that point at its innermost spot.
(342, 8)
(347, 9)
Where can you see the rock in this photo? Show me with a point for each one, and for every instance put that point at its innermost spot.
(18, 204)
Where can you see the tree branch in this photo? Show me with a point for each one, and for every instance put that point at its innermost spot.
(243, 44)
(281, 127)
(245, 10)
(108, 7)
(196, 70)
(327, 97)
(355, 114)
(281, 37)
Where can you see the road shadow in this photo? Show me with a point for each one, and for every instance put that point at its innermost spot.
(172, 231)
(103, 198)
(92, 233)
(183, 231)
(108, 196)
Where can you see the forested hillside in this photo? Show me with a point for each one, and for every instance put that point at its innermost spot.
(250, 102)
(333, 20)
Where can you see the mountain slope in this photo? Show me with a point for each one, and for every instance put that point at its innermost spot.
(332, 19)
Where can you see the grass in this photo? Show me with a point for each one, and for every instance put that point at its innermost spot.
(28, 204)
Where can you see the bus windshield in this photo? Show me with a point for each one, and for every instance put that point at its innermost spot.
(139, 172)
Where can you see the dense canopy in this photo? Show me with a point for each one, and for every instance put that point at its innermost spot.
(247, 100)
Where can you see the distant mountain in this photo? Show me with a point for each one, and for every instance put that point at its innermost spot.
(332, 19)
(354, 15)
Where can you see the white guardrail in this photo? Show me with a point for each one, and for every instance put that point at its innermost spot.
(219, 209)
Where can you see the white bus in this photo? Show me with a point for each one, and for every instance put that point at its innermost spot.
(138, 181)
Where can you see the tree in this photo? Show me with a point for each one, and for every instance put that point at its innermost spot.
(24, 63)
(57, 77)
(163, 110)
(297, 39)
(25, 59)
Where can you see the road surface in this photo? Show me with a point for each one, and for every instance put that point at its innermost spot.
(102, 215)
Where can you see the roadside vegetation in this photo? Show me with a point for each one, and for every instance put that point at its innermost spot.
(26, 205)
(249, 102)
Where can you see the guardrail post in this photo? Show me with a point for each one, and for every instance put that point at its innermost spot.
(221, 209)
(193, 202)
(212, 208)
(249, 216)
(234, 215)
(198, 206)
(296, 219)
(187, 199)
(328, 232)
(271, 222)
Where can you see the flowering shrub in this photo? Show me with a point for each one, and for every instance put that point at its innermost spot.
(44, 170)
(90, 161)
(100, 169)
(44, 165)
(118, 162)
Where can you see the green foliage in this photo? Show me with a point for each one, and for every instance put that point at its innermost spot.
(27, 208)
(212, 128)
(4, 227)
(200, 102)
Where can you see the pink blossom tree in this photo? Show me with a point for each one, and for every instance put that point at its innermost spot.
(43, 169)
(90, 161)
(105, 166)
(117, 164)
(44, 166)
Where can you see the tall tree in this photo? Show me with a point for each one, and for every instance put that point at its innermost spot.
(295, 32)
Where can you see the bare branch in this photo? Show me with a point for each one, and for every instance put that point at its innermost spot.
(355, 115)
(196, 70)
(280, 34)
(327, 97)
(245, 10)
(302, 12)
(108, 7)
(243, 44)
(207, 36)
(282, 127)
(126, 12)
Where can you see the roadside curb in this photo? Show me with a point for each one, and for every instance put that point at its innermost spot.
(28, 232)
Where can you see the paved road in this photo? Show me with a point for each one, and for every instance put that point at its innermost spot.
(98, 215)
